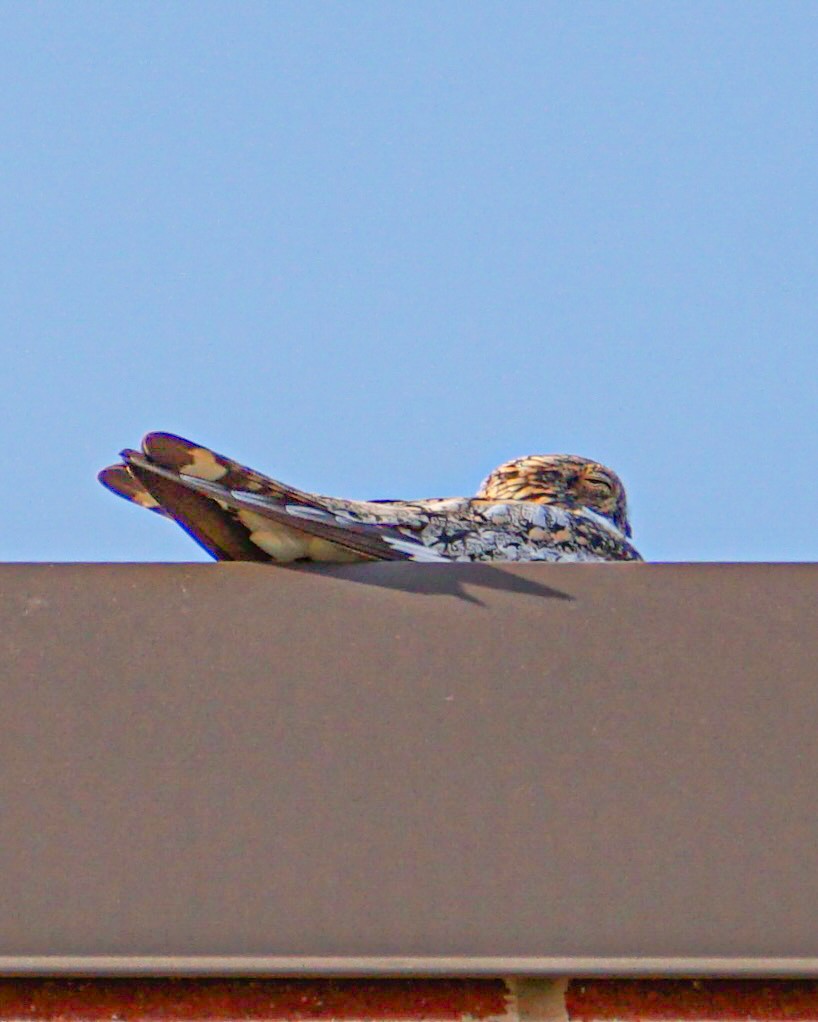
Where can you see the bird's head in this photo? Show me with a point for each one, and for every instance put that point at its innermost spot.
(565, 480)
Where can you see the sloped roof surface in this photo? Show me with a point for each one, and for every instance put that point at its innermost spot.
(547, 767)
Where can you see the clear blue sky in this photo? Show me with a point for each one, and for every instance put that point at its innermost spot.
(376, 248)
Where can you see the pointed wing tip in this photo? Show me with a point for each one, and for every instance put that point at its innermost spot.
(110, 474)
(171, 451)
(158, 438)
(120, 480)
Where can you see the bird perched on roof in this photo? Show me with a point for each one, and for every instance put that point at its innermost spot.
(557, 507)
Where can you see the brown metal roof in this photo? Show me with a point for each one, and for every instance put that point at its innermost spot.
(396, 768)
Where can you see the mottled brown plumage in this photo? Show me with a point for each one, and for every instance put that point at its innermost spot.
(562, 479)
(541, 507)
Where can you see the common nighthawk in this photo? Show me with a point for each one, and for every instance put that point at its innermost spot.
(556, 507)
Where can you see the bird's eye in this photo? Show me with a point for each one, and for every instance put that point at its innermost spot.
(600, 483)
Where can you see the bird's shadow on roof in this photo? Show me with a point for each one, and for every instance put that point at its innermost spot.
(439, 579)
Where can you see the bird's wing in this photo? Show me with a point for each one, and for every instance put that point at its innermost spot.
(236, 513)
(218, 532)
(119, 479)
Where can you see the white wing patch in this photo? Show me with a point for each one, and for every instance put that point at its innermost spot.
(417, 551)
(313, 514)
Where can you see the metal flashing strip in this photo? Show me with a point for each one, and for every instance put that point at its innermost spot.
(403, 967)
